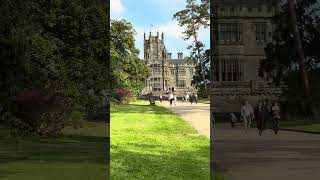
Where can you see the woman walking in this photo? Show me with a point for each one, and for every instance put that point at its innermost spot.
(260, 116)
(275, 109)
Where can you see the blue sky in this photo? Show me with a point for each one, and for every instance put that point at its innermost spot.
(143, 13)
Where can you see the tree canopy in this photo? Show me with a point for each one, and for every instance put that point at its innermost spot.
(127, 70)
(282, 63)
(58, 46)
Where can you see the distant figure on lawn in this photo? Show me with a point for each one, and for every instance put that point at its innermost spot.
(233, 119)
(187, 97)
(161, 98)
(247, 114)
(275, 109)
(196, 98)
(261, 112)
(171, 99)
(191, 98)
(152, 101)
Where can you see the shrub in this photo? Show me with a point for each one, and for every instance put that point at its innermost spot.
(123, 96)
(39, 113)
(76, 119)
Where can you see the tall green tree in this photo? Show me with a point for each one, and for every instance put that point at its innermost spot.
(194, 17)
(59, 46)
(198, 77)
(283, 63)
(127, 70)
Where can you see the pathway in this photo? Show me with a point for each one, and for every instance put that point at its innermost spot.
(196, 114)
(240, 156)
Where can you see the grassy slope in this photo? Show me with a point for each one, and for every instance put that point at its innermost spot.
(149, 142)
(78, 155)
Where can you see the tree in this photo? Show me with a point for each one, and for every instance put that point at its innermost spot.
(193, 17)
(298, 44)
(282, 64)
(127, 70)
(198, 77)
(59, 46)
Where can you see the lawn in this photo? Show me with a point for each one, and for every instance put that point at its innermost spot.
(150, 142)
(307, 125)
(204, 101)
(77, 155)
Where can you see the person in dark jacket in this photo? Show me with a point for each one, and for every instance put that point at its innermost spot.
(260, 116)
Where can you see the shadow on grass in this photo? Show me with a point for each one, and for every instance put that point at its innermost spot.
(183, 164)
(67, 148)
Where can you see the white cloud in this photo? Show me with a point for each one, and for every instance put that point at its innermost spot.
(117, 9)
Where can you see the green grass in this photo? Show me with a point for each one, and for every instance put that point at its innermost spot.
(77, 155)
(150, 142)
(307, 125)
(204, 101)
(301, 124)
(312, 128)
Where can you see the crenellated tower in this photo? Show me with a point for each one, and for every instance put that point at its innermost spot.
(154, 48)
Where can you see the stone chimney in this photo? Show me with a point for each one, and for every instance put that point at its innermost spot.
(180, 55)
(169, 55)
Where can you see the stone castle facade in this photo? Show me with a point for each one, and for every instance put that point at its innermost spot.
(243, 31)
(167, 74)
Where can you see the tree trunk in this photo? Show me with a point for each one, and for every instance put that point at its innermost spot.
(298, 44)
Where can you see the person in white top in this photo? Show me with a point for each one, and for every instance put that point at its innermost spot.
(247, 114)
(171, 99)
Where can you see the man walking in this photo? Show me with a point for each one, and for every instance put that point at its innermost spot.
(275, 117)
(247, 115)
(191, 98)
(161, 98)
(260, 116)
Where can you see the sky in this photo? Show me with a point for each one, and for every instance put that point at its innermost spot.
(144, 13)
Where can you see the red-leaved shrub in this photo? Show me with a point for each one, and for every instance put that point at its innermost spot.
(123, 96)
(40, 113)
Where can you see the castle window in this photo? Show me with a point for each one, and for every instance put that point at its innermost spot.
(259, 9)
(261, 32)
(230, 32)
(181, 83)
(250, 9)
(156, 84)
(191, 71)
(182, 71)
(269, 9)
(230, 70)
(172, 72)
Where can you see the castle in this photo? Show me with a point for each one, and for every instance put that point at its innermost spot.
(167, 74)
(244, 28)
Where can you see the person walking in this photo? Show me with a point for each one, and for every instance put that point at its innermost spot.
(196, 98)
(175, 100)
(171, 99)
(187, 97)
(275, 109)
(247, 114)
(260, 116)
(161, 98)
(191, 98)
